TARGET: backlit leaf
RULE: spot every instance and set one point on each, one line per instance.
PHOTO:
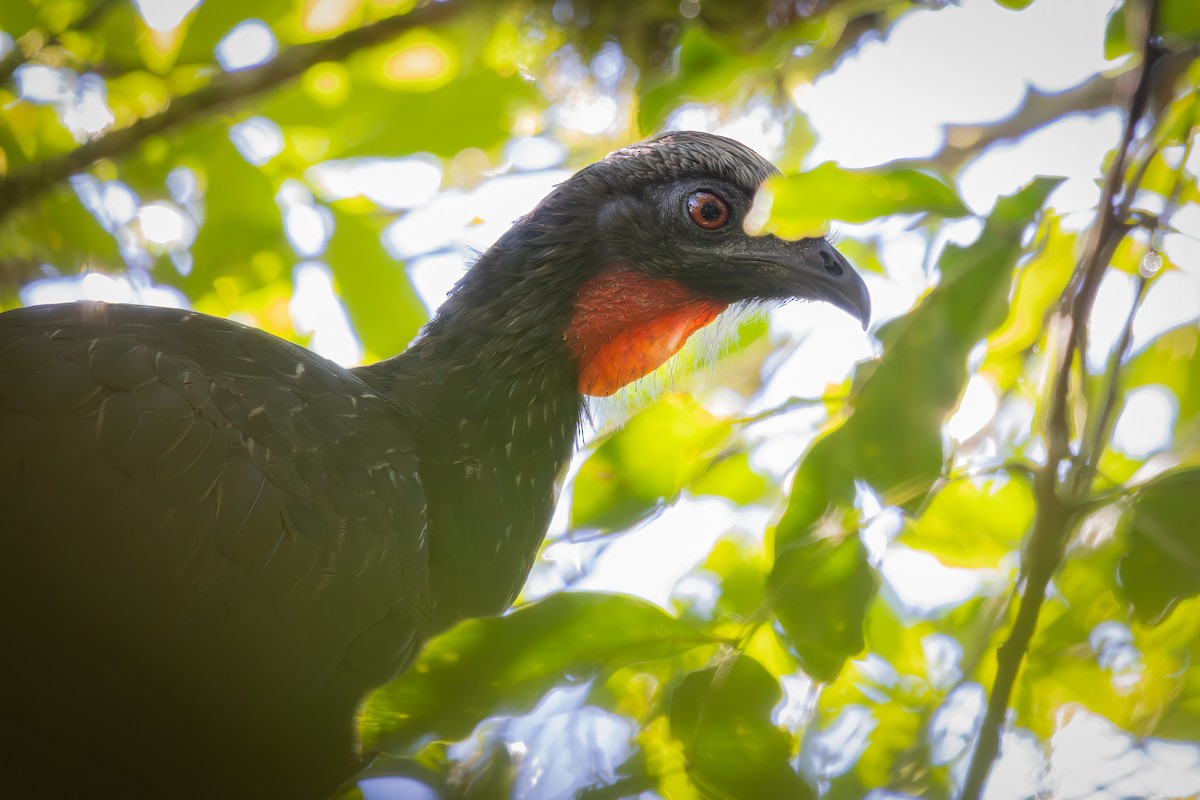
(502, 665)
(722, 716)
(803, 204)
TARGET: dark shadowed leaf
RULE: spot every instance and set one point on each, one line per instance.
(722, 716)
(503, 665)
(803, 204)
(1162, 566)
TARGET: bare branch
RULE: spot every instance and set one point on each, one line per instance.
(25, 184)
(963, 142)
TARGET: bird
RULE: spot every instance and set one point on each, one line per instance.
(216, 542)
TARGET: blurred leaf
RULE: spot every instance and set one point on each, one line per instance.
(384, 309)
(1179, 18)
(1039, 285)
(722, 715)
(59, 231)
(863, 255)
(1016, 5)
(212, 21)
(732, 477)
(241, 219)
(1162, 566)
(738, 568)
(20, 16)
(893, 440)
(503, 665)
(803, 204)
(1172, 361)
(1116, 37)
(821, 589)
(707, 70)
(974, 523)
(646, 463)
(360, 115)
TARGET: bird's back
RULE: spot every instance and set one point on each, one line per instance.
(214, 544)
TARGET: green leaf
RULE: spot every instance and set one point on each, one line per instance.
(893, 440)
(972, 523)
(384, 309)
(20, 16)
(361, 116)
(502, 665)
(646, 464)
(56, 229)
(1178, 18)
(1170, 362)
(1116, 37)
(722, 715)
(734, 478)
(803, 204)
(706, 70)
(1162, 566)
(241, 219)
(212, 22)
(822, 589)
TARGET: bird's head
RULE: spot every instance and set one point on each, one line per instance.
(649, 245)
(669, 229)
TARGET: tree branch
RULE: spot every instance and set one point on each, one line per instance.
(27, 183)
(1059, 497)
(963, 142)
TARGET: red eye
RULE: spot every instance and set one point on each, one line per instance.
(707, 210)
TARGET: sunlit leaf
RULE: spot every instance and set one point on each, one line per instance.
(646, 464)
(974, 523)
(503, 665)
(732, 477)
(803, 204)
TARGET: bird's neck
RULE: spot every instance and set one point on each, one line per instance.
(492, 387)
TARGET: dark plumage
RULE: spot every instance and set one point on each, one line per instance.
(217, 542)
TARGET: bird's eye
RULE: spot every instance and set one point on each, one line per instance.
(707, 210)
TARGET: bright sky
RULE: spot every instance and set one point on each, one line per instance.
(889, 100)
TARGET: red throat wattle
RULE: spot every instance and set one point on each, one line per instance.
(626, 324)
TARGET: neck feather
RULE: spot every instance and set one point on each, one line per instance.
(492, 389)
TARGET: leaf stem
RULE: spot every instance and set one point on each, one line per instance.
(27, 183)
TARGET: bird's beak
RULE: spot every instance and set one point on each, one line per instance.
(771, 268)
(823, 273)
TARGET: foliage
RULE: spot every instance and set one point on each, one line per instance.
(791, 665)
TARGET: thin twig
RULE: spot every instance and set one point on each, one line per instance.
(25, 184)
(1058, 509)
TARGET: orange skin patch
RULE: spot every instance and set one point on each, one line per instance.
(627, 324)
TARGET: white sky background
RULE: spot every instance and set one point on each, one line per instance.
(888, 100)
